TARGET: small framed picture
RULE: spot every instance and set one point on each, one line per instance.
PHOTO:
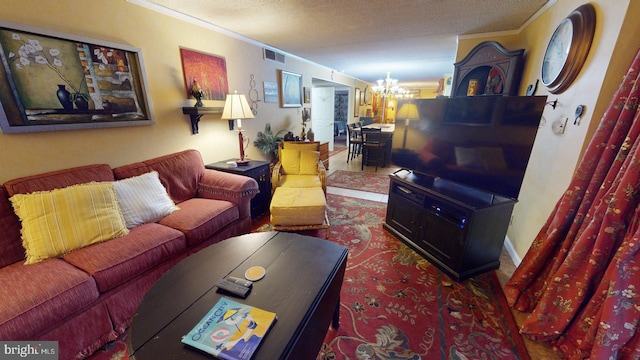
(307, 95)
(356, 107)
(270, 92)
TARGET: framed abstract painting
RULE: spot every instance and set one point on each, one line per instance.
(290, 89)
(56, 81)
(210, 71)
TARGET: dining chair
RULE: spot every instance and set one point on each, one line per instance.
(373, 147)
(354, 145)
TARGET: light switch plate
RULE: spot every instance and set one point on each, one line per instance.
(558, 127)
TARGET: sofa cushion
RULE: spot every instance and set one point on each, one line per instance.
(59, 221)
(179, 173)
(40, 295)
(11, 249)
(143, 199)
(200, 218)
(114, 262)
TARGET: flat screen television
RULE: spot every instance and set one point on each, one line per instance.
(482, 141)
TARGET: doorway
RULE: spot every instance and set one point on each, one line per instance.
(329, 104)
(322, 114)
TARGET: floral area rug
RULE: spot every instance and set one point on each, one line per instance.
(396, 305)
(362, 181)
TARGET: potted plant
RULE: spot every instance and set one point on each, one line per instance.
(267, 142)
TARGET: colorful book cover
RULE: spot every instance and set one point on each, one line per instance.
(231, 330)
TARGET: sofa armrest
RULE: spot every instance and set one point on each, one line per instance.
(238, 189)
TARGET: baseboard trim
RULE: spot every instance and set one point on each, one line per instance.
(512, 251)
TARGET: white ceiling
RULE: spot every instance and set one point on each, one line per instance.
(415, 40)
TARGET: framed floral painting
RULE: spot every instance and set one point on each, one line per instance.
(56, 81)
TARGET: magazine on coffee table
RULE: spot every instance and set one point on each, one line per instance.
(231, 330)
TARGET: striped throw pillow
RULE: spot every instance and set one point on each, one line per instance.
(59, 221)
(143, 199)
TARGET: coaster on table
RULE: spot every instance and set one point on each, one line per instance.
(255, 273)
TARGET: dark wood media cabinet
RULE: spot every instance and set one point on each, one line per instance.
(459, 229)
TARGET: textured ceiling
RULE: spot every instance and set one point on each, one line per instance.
(413, 39)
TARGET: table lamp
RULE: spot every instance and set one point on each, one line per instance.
(408, 112)
(237, 108)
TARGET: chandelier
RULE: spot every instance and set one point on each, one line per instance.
(387, 87)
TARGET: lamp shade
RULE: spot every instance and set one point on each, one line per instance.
(408, 111)
(236, 107)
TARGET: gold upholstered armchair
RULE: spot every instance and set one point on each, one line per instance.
(299, 166)
(299, 188)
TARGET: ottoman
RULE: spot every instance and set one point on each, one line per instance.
(299, 209)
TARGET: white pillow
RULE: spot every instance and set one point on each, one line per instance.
(467, 157)
(143, 199)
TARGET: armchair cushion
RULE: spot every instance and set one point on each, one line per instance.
(300, 162)
(309, 162)
(298, 206)
(290, 161)
(300, 181)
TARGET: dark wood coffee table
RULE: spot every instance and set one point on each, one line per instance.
(302, 286)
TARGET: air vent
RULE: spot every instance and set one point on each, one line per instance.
(274, 56)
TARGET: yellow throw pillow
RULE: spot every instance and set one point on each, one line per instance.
(62, 220)
(290, 161)
(309, 162)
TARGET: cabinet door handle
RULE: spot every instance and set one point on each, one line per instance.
(405, 190)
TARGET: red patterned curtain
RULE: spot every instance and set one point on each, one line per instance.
(580, 280)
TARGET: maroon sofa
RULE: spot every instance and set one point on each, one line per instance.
(87, 297)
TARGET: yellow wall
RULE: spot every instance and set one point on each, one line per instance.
(428, 93)
(160, 37)
(554, 157)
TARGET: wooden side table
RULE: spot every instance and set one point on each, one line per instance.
(258, 170)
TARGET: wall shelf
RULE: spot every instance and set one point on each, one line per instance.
(195, 113)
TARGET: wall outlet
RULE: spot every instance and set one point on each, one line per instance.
(559, 126)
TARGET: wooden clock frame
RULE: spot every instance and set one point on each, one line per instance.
(583, 25)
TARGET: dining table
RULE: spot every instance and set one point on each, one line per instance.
(387, 131)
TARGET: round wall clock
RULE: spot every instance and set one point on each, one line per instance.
(568, 49)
